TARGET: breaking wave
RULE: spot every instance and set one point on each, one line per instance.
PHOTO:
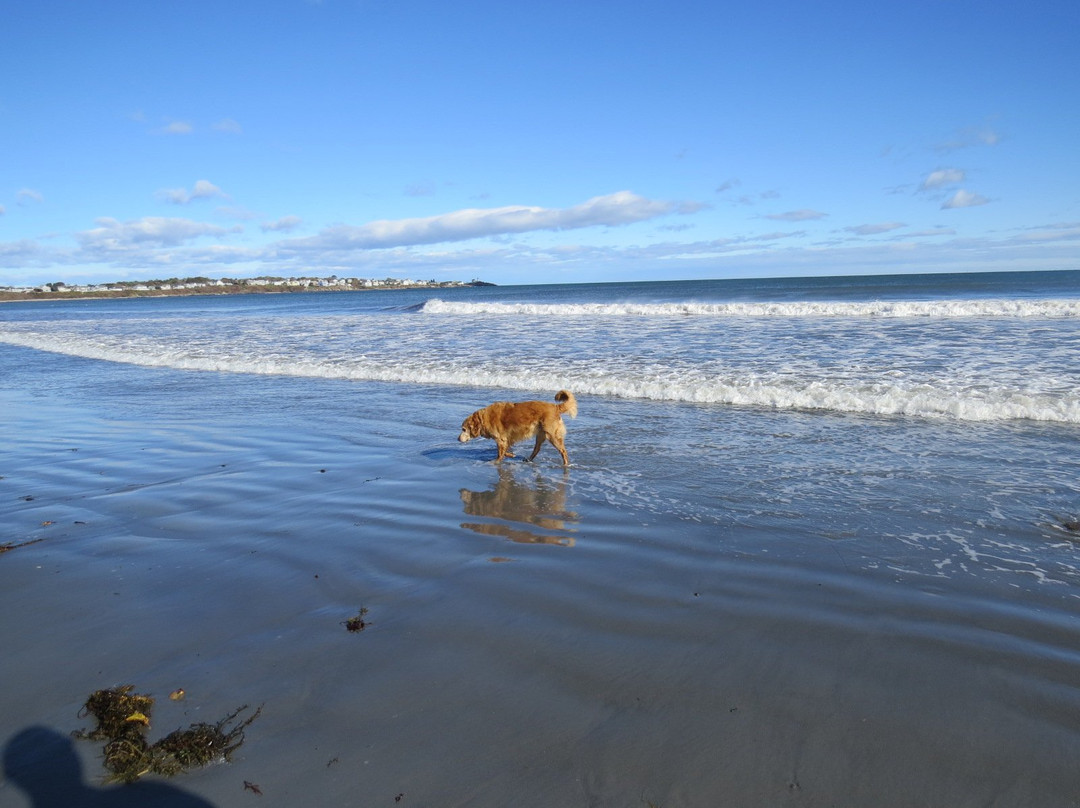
(814, 390)
(1055, 308)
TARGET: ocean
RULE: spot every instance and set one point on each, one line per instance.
(970, 347)
(818, 542)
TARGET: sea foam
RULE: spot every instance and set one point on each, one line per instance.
(967, 399)
(1055, 308)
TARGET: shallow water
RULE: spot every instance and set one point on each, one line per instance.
(759, 608)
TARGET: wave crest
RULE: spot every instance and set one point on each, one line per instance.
(966, 401)
(1055, 308)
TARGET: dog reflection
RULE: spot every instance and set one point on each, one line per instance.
(539, 504)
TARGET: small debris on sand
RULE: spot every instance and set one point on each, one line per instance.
(12, 546)
(123, 718)
(357, 623)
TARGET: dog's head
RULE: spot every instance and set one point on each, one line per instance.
(471, 428)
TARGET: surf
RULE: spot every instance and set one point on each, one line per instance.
(995, 308)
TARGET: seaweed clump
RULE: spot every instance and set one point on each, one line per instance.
(123, 718)
(357, 622)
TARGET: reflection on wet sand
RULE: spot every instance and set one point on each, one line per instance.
(532, 501)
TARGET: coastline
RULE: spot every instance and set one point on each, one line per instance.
(208, 291)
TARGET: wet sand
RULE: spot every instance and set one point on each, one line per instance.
(528, 642)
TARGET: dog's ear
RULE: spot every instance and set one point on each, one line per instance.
(473, 425)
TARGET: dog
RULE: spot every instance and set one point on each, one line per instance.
(507, 422)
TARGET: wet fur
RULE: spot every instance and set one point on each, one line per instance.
(506, 423)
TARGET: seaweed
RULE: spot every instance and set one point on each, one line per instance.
(358, 623)
(123, 719)
(5, 547)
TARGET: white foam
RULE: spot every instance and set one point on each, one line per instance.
(1053, 308)
(970, 400)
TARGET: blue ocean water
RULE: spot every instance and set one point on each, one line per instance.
(935, 416)
(837, 515)
(985, 347)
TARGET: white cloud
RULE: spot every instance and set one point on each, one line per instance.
(22, 253)
(874, 229)
(616, 209)
(3, 210)
(147, 247)
(176, 128)
(727, 185)
(27, 195)
(229, 126)
(803, 215)
(963, 199)
(941, 177)
(282, 225)
(112, 235)
(203, 189)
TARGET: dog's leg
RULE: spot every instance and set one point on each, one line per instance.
(504, 449)
(557, 442)
(540, 435)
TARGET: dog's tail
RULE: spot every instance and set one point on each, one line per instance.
(567, 403)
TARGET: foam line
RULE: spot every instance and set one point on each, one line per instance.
(1055, 308)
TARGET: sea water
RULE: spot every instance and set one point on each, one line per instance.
(967, 347)
(857, 495)
(936, 418)
(978, 371)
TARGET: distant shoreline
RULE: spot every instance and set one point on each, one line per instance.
(234, 289)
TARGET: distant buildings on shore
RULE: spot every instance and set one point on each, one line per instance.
(226, 285)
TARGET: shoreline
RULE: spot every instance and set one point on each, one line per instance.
(238, 289)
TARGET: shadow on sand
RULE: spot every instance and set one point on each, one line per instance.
(43, 763)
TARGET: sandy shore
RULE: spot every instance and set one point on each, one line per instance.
(528, 643)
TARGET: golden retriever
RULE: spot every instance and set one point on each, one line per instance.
(507, 422)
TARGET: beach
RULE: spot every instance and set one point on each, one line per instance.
(713, 605)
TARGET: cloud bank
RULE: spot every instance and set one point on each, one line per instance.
(613, 210)
(112, 235)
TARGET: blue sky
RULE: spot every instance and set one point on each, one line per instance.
(536, 143)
